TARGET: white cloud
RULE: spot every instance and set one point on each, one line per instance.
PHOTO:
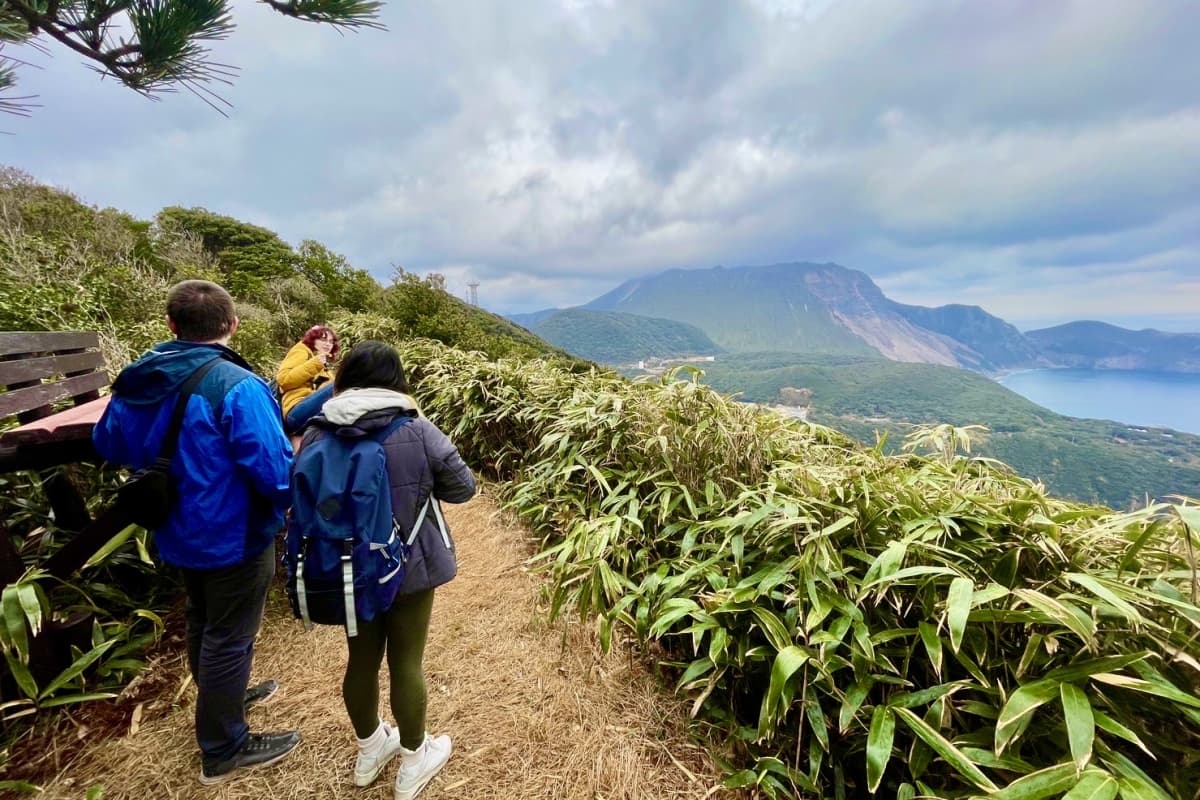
(998, 153)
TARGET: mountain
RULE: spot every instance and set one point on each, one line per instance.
(613, 337)
(1098, 345)
(998, 342)
(819, 308)
(530, 320)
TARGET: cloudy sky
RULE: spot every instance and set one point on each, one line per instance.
(1040, 158)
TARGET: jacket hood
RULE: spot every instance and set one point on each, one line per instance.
(160, 372)
(348, 407)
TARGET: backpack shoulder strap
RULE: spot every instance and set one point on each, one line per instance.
(398, 422)
(171, 438)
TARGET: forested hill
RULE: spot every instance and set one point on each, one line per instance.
(68, 265)
(611, 337)
(1084, 459)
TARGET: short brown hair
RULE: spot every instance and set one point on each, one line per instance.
(201, 310)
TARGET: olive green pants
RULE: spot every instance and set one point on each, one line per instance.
(400, 634)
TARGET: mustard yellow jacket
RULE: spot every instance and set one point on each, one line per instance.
(299, 375)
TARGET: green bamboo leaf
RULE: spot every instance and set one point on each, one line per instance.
(1037, 785)
(112, 545)
(1017, 712)
(700, 666)
(1033, 648)
(816, 718)
(1106, 594)
(787, 661)
(989, 594)
(14, 623)
(1085, 669)
(30, 603)
(673, 610)
(829, 530)
(1081, 725)
(885, 564)
(1094, 785)
(933, 645)
(1110, 725)
(942, 746)
(1138, 685)
(958, 609)
(21, 675)
(854, 700)
(1061, 611)
(909, 572)
(862, 637)
(20, 786)
(71, 699)
(986, 758)
(1135, 784)
(76, 669)
(925, 696)
(772, 627)
(879, 745)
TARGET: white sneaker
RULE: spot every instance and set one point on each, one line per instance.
(372, 760)
(417, 767)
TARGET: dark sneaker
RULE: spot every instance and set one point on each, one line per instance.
(260, 750)
(261, 694)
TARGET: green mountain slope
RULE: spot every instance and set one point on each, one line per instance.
(531, 319)
(1098, 345)
(1089, 460)
(612, 337)
(999, 343)
(741, 309)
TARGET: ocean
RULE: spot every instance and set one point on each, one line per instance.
(1151, 399)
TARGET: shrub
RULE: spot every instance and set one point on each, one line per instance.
(855, 623)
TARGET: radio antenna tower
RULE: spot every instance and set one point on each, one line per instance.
(474, 295)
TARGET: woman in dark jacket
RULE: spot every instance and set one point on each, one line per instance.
(369, 392)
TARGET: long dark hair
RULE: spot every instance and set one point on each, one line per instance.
(371, 365)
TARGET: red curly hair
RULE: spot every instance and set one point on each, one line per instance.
(318, 332)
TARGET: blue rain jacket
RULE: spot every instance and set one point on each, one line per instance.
(233, 462)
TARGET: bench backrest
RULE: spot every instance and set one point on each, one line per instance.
(40, 368)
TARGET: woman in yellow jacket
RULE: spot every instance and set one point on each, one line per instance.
(304, 377)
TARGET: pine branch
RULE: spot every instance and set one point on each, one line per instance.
(162, 46)
(339, 13)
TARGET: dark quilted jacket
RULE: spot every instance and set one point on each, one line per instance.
(421, 460)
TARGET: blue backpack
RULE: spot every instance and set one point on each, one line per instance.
(345, 550)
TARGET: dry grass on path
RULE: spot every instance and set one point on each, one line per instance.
(534, 709)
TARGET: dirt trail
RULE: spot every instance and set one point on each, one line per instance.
(534, 709)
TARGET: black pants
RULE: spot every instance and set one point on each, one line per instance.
(224, 612)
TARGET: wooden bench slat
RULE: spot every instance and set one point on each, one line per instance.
(32, 369)
(21, 342)
(73, 423)
(19, 400)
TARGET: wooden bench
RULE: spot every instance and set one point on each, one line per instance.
(38, 371)
(51, 383)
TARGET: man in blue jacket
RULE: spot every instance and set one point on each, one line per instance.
(231, 470)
